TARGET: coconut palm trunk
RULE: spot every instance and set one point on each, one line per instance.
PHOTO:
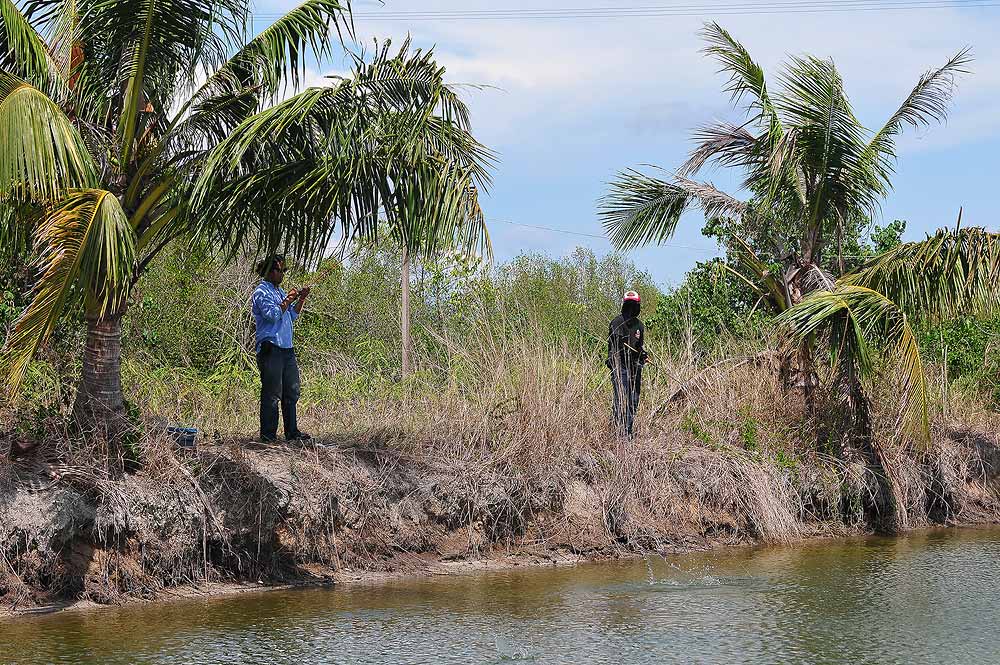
(884, 511)
(100, 398)
(407, 365)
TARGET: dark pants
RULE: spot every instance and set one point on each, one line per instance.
(279, 381)
(627, 383)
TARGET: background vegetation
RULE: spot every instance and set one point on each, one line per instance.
(188, 339)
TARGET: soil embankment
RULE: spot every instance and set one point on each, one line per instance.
(229, 514)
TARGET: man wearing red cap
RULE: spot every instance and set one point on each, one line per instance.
(626, 357)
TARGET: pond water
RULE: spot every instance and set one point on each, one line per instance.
(929, 597)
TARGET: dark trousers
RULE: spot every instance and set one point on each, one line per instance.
(279, 382)
(626, 381)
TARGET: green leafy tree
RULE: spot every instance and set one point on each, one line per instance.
(710, 306)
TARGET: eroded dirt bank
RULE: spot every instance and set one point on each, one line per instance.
(228, 514)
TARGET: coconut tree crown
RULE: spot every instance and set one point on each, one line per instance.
(812, 169)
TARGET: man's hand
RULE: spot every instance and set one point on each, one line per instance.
(291, 297)
(300, 299)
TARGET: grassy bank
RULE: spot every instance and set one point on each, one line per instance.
(499, 443)
(522, 464)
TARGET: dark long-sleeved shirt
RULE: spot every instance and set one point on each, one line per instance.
(625, 340)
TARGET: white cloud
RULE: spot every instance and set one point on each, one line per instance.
(554, 71)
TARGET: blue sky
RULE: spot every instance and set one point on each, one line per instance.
(573, 101)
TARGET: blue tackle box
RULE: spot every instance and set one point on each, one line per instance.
(184, 436)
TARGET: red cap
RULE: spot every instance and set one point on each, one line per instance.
(632, 295)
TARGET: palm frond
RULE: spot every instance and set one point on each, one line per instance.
(407, 81)
(339, 155)
(473, 234)
(42, 152)
(746, 77)
(927, 102)
(713, 201)
(726, 144)
(85, 247)
(23, 52)
(16, 222)
(816, 278)
(151, 49)
(641, 209)
(287, 127)
(454, 143)
(274, 58)
(287, 176)
(954, 272)
(270, 63)
(434, 206)
(830, 144)
(63, 35)
(865, 324)
(761, 278)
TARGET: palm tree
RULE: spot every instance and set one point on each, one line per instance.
(129, 124)
(813, 172)
(863, 320)
(866, 314)
(415, 226)
(431, 202)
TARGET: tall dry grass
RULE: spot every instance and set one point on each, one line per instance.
(500, 440)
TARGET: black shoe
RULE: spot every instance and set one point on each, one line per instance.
(266, 439)
(298, 436)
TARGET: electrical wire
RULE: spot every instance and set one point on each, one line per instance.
(704, 250)
(752, 7)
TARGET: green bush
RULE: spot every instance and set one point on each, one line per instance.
(969, 350)
(710, 306)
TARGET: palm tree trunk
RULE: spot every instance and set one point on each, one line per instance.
(405, 315)
(99, 401)
(888, 512)
(797, 366)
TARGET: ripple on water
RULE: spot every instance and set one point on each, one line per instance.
(508, 652)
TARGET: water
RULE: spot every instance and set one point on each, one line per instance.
(929, 597)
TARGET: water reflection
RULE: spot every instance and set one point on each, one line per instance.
(925, 598)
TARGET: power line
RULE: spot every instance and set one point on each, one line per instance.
(753, 7)
(592, 235)
(584, 12)
(546, 228)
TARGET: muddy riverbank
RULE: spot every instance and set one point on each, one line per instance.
(227, 514)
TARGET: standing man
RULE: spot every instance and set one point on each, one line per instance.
(626, 335)
(274, 311)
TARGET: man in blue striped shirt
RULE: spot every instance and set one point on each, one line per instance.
(274, 312)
